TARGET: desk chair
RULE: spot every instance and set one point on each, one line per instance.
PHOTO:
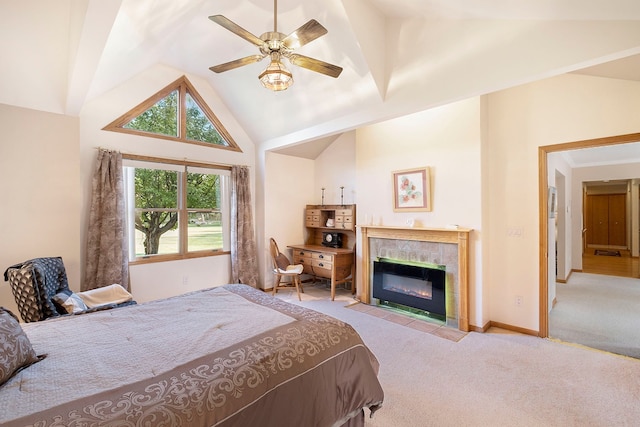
(282, 268)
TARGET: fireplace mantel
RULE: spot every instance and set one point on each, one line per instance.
(458, 236)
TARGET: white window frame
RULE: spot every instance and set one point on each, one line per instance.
(130, 163)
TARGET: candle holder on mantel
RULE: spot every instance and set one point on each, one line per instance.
(322, 196)
(342, 196)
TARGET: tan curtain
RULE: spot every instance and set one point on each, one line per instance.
(244, 255)
(107, 259)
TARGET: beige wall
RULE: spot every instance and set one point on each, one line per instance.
(446, 139)
(160, 279)
(519, 120)
(46, 166)
(335, 167)
(288, 187)
(40, 191)
(291, 183)
(484, 158)
(482, 151)
(559, 174)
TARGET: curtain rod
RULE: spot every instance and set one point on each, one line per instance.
(183, 161)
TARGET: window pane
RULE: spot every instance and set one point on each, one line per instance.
(156, 233)
(203, 191)
(155, 209)
(204, 231)
(156, 217)
(199, 127)
(205, 220)
(156, 188)
(162, 118)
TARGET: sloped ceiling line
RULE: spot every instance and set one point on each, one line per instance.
(370, 29)
(93, 27)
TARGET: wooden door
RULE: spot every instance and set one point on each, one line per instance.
(617, 220)
(598, 231)
(606, 219)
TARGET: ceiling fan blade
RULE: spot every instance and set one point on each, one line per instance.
(315, 65)
(305, 34)
(237, 63)
(237, 29)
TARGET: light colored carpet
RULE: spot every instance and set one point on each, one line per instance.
(598, 311)
(491, 379)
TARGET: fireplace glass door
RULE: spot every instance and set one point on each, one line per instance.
(417, 286)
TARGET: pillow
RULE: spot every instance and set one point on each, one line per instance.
(16, 352)
(69, 302)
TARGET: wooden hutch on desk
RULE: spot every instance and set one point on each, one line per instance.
(329, 249)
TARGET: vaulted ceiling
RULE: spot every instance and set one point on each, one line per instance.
(398, 56)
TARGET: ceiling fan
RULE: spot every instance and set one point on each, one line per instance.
(276, 45)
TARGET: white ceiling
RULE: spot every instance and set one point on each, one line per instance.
(598, 156)
(399, 56)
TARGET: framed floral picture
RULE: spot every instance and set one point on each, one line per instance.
(411, 190)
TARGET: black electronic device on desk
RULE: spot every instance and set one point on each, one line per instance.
(331, 239)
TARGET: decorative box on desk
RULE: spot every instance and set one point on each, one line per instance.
(330, 263)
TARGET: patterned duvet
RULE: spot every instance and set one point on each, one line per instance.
(227, 356)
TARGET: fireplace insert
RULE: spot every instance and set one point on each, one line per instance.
(416, 285)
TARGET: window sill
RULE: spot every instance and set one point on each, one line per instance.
(177, 257)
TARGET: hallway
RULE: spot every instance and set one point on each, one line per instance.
(624, 265)
(596, 307)
(599, 312)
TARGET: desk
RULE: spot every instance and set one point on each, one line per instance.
(331, 263)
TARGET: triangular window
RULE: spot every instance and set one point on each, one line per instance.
(178, 113)
(161, 118)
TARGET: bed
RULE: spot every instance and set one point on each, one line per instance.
(225, 356)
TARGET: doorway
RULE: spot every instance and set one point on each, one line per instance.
(547, 250)
(605, 215)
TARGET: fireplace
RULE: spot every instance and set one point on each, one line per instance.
(441, 246)
(419, 286)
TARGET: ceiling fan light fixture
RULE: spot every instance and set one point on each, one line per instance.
(276, 77)
(274, 44)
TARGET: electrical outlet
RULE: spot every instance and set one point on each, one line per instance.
(185, 280)
(518, 301)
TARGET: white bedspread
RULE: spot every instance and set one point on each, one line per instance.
(233, 320)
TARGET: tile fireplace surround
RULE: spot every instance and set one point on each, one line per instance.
(449, 247)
